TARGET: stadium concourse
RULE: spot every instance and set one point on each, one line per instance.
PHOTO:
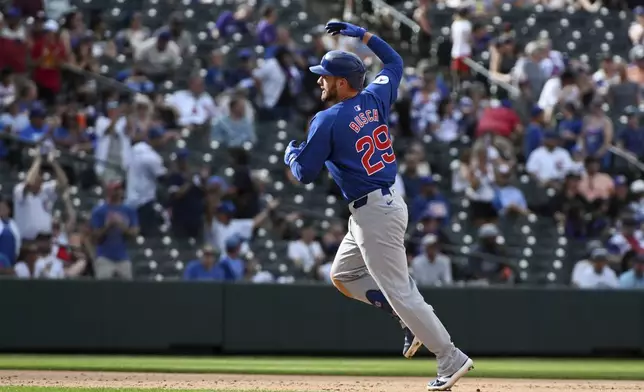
(219, 88)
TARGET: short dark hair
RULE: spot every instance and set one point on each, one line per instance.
(267, 11)
(235, 100)
(568, 76)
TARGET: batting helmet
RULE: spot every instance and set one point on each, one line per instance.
(342, 64)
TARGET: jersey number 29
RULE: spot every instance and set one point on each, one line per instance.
(380, 140)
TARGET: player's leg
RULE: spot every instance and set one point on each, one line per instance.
(379, 233)
(351, 277)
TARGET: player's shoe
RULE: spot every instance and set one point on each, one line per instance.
(412, 343)
(446, 383)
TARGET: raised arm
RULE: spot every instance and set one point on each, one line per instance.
(388, 80)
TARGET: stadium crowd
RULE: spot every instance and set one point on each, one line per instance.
(573, 134)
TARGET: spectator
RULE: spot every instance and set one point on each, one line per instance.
(503, 123)
(133, 36)
(12, 119)
(215, 77)
(10, 240)
(266, 30)
(138, 82)
(229, 23)
(445, 125)
(503, 58)
(306, 253)
(636, 31)
(234, 129)
(428, 198)
(113, 144)
(49, 54)
(73, 30)
(549, 163)
(38, 130)
(631, 138)
(102, 44)
(607, 75)
(24, 269)
(113, 223)
(430, 223)
(627, 238)
(481, 187)
(205, 268)
(431, 268)
(34, 199)
(618, 203)
(178, 34)
(7, 88)
(424, 102)
(624, 93)
(284, 40)
(569, 128)
(84, 58)
(222, 225)
(141, 119)
(410, 175)
(158, 57)
(6, 268)
(70, 136)
(460, 172)
(569, 207)
(246, 189)
(597, 134)
(231, 263)
(599, 275)
(559, 89)
(530, 75)
(12, 28)
(277, 81)
(534, 132)
(636, 206)
(461, 31)
(194, 107)
(488, 262)
(553, 63)
(581, 265)
(186, 191)
(50, 266)
(594, 185)
(509, 200)
(634, 277)
(145, 168)
(242, 75)
(332, 238)
(635, 71)
(14, 42)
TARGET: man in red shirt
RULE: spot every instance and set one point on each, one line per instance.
(48, 53)
(503, 124)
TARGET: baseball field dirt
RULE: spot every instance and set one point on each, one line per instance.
(238, 382)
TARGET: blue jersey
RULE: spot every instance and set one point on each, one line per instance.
(352, 137)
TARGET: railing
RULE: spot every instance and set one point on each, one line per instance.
(512, 90)
(627, 157)
(399, 17)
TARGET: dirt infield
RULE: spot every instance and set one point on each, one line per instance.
(293, 383)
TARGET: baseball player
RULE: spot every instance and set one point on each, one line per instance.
(352, 139)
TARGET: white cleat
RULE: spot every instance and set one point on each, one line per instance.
(446, 383)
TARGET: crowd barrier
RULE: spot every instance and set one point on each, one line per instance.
(211, 318)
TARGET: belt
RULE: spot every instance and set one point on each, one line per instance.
(361, 202)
